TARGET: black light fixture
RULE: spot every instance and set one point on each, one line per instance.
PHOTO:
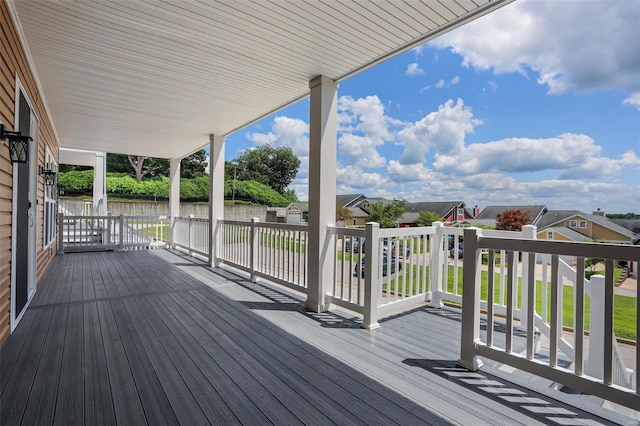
(49, 174)
(18, 145)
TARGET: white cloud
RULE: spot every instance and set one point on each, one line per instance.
(455, 80)
(443, 130)
(350, 179)
(291, 132)
(493, 85)
(439, 84)
(414, 70)
(583, 46)
(364, 127)
(408, 173)
(602, 168)
(633, 100)
(519, 155)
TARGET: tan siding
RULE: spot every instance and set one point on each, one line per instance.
(13, 61)
(606, 234)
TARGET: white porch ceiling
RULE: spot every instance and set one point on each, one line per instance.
(155, 78)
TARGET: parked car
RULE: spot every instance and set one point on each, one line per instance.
(353, 245)
(452, 252)
(360, 268)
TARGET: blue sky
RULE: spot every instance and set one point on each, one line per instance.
(537, 103)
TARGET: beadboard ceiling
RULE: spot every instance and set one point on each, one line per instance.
(155, 78)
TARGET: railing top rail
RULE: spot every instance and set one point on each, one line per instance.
(349, 232)
(565, 248)
(287, 226)
(406, 232)
(84, 217)
(145, 217)
(193, 219)
(449, 230)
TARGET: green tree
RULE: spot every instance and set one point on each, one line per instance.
(194, 165)
(386, 215)
(426, 218)
(512, 220)
(275, 167)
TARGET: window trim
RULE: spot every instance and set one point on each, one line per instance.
(549, 235)
(50, 203)
(573, 224)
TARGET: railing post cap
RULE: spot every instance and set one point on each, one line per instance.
(374, 224)
(438, 224)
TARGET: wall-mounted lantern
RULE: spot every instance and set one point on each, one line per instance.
(49, 175)
(18, 145)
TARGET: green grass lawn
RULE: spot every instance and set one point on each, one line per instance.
(162, 232)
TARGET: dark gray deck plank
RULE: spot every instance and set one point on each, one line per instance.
(40, 406)
(70, 402)
(319, 370)
(222, 368)
(99, 288)
(126, 402)
(156, 406)
(64, 291)
(110, 277)
(189, 379)
(88, 285)
(16, 392)
(286, 397)
(98, 403)
(433, 390)
(11, 351)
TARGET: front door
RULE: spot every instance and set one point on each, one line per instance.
(24, 200)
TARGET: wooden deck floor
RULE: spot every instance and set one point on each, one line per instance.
(149, 337)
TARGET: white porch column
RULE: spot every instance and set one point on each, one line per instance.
(100, 185)
(216, 193)
(322, 188)
(174, 196)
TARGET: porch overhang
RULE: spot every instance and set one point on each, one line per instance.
(156, 79)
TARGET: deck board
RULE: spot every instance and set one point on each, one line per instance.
(147, 337)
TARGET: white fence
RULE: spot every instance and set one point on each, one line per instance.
(599, 370)
(270, 250)
(87, 233)
(192, 234)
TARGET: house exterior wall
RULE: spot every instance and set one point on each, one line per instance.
(596, 231)
(13, 61)
(542, 235)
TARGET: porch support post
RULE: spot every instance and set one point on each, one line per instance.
(470, 300)
(371, 280)
(100, 185)
(322, 188)
(216, 194)
(528, 232)
(438, 261)
(174, 197)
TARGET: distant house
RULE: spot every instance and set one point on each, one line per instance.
(574, 225)
(451, 212)
(299, 212)
(489, 214)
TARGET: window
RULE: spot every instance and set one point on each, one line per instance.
(355, 221)
(573, 224)
(582, 224)
(550, 235)
(49, 203)
(460, 212)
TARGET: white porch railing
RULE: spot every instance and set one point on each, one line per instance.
(269, 250)
(595, 371)
(192, 234)
(86, 233)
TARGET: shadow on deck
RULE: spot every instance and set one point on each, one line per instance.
(147, 337)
